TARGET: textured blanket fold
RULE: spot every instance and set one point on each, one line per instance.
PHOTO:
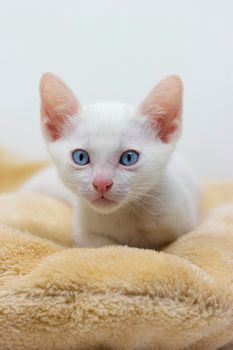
(54, 296)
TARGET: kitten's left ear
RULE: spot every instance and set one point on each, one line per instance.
(163, 107)
(58, 106)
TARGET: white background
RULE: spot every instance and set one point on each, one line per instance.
(117, 50)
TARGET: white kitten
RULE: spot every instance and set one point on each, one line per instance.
(124, 182)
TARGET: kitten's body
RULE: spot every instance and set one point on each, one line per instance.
(169, 210)
(149, 204)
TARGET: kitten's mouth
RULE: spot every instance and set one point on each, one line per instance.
(103, 201)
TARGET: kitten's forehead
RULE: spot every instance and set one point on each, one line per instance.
(107, 130)
(105, 123)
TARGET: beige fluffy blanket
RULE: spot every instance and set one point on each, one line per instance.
(53, 296)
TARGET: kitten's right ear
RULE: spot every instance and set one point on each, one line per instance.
(58, 105)
(163, 108)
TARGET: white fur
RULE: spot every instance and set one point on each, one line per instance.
(157, 199)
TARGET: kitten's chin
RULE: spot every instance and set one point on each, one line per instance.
(104, 205)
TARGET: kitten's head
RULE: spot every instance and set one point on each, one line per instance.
(108, 153)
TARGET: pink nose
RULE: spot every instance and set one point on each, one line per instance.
(101, 184)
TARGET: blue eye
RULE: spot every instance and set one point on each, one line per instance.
(80, 157)
(129, 158)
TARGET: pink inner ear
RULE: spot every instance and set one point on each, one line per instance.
(52, 126)
(163, 105)
(58, 103)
